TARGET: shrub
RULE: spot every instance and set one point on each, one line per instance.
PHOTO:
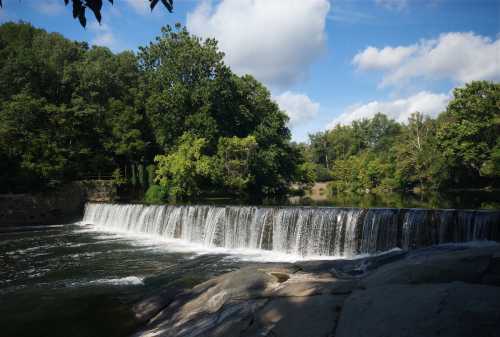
(155, 194)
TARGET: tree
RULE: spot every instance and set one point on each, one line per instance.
(234, 159)
(419, 161)
(182, 171)
(181, 74)
(376, 133)
(60, 106)
(469, 132)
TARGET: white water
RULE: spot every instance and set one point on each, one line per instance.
(296, 231)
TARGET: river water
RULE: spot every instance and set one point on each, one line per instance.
(76, 280)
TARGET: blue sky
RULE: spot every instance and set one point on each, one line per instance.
(325, 61)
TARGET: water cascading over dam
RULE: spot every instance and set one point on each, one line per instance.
(304, 231)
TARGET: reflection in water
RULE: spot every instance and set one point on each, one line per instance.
(456, 200)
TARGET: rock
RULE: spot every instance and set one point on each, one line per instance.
(301, 285)
(347, 268)
(438, 267)
(297, 317)
(492, 274)
(454, 309)
(152, 305)
(430, 292)
(255, 300)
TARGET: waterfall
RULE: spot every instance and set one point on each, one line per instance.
(304, 231)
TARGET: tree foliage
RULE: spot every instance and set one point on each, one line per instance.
(185, 169)
(68, 111)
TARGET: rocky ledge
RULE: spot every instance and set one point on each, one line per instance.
(440, 291)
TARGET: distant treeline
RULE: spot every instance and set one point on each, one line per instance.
(460, 149)
(173, 115)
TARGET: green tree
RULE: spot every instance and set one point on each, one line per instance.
(469, 131)
(28, 139)
(419, 161)
(185, 169)
(234, 159)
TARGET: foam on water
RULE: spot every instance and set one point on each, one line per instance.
(123, 281)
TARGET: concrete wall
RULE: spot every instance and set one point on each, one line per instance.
(55, 207)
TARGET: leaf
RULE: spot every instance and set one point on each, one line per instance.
(95, 6)
(153, 3)
(77, 8)
(169, 4)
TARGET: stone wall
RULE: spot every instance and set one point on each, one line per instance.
(55, 207)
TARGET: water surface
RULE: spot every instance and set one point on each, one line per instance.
(77, 281)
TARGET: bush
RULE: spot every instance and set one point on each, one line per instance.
(323, 174)
(155, 194)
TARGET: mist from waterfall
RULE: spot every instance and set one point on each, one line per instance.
(301, 231)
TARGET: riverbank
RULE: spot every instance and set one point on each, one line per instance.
(440, 291)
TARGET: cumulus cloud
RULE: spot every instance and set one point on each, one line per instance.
(103, 35)
(270, 39)
(139, 6)
(49, 7)
(388, 57)
(428, 103)
(460, 57)
(299, 107)
(392, 4)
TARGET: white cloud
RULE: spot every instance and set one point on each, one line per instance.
(103, 35)
(392, 4)
(273, 40)
(460, 57)
(298, 107)
(428, 103)
(388, 57)
(139, 6)
(49, 7)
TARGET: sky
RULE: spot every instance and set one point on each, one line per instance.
(326, 62)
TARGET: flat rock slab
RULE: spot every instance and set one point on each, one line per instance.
(297, 317)
(432, 310)
(439, 267)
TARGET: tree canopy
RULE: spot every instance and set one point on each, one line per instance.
(69, 111)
